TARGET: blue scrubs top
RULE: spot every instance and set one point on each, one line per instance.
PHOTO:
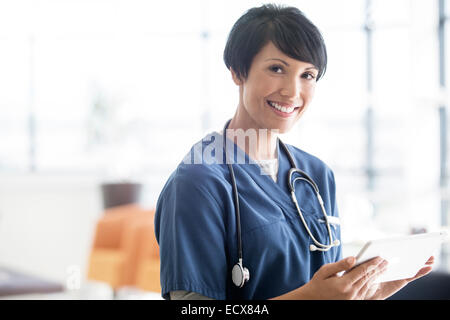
(195, 226)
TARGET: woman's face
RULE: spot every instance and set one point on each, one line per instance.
(277, 91)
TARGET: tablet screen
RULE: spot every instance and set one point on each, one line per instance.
(405, 255)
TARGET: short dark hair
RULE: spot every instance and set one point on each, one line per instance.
(288, 29)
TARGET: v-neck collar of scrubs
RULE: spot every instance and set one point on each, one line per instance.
(265, 182)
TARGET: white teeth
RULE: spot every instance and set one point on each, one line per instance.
(280, 108)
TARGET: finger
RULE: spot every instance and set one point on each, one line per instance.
(387, 289)
(422, 272)
(366, 282)
(371, 292)
(371, 275)
(367, 290)
(361, 287)
(362, 270)
(430, 260)
(331, 269)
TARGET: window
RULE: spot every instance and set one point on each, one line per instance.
(123, 89)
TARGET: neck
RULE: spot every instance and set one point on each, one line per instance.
(259, 143)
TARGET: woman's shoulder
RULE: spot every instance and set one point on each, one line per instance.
(308, 160)
(202, 163)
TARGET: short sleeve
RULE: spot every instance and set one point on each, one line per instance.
(190, 230)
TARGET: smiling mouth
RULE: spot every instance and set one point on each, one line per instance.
(286, 110)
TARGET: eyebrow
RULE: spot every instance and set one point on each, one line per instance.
(287, 64)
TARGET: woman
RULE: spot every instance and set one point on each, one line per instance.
(223, 214)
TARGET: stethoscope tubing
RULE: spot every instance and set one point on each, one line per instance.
(303, 176)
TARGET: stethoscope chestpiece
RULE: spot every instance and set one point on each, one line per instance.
(240, 274)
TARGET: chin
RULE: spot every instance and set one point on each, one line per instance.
(282, 128)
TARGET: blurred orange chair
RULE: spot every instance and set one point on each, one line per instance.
(147, 273)
(124, 235)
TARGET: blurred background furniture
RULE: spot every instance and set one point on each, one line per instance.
(119, 194)
(147, 273)
(13, 282)
(125, 251)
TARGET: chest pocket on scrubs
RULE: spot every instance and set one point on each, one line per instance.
(318, 227)
(306, 198)
(312, 212)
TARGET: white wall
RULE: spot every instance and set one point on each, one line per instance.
(47, 223)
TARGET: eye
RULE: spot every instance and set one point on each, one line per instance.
(276, 68)
(309, 76)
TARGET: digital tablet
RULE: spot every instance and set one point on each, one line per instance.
(406, 255)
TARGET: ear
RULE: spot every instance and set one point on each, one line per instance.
(236, 79)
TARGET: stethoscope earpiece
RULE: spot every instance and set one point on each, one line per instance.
(336, 243)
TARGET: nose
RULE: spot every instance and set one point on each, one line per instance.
(291, 88)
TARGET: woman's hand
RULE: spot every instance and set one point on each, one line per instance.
(387, 289)
(355, 283)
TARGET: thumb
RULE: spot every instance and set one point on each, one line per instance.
(331, 269)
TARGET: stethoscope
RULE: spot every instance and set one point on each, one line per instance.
(240, 274)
